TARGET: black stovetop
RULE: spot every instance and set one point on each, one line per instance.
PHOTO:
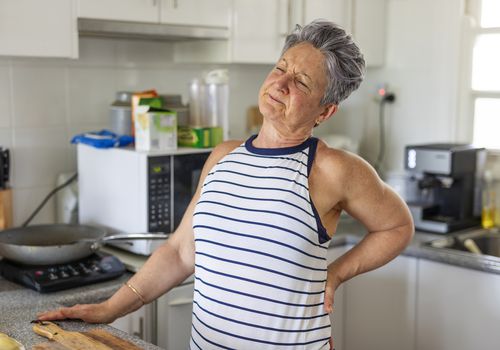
(51, 278)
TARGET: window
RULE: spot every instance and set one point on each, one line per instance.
(485, 80)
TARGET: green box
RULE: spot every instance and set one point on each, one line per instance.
(198, 137)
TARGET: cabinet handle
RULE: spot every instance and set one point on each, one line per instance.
(140, 334)
(176, 4)
(181, 302)
(155, 3)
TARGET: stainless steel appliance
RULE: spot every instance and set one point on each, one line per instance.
(447, 181)
(128, 191)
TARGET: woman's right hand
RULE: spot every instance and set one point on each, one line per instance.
(91, 313)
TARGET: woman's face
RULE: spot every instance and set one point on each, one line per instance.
(291, 93)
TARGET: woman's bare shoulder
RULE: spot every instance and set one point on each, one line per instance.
(340, 163)
(223, 149)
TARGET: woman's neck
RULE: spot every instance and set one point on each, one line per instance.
(272, 138)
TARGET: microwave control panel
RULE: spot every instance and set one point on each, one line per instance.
(159, 194)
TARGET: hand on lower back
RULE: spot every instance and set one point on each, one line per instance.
(91, 313)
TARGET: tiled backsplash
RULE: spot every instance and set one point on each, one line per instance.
(44, 102)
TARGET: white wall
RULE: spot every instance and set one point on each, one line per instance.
(44, 102)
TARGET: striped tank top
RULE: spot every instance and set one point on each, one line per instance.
(260, 263)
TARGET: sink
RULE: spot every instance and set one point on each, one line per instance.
(488, 242)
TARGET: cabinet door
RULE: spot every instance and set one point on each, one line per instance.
(138, 323)
(380, 307)
(120, 10)
(196, 12)
(458, 308)
(338, 11)
(368, 29)
(174, 318)
(257, 30)
(38, 28)
(337, 317)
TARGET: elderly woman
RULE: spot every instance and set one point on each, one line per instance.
(257, 231)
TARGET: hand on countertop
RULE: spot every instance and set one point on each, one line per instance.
(90, 313)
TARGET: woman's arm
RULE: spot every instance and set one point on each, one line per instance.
(168, 266)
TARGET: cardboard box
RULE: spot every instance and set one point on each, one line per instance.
(199, 137)
(155, 129)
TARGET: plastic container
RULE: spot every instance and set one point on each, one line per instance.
(208, 101)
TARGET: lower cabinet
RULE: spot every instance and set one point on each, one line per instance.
(139, 323)
(379, 308)
(458, 308)
(174, 318)
(338, 314)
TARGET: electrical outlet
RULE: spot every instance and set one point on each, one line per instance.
(384, 94)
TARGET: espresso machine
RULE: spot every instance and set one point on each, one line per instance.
(446, 182)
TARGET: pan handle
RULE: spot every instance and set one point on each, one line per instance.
(134, 236)
(95, 244)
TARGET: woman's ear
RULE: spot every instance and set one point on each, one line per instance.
(328, 111)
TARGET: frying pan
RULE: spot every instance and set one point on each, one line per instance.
(59, 243)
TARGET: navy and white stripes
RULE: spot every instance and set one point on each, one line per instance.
(260, 265)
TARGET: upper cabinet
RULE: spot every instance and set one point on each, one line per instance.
(338, 11)
(213, 13)
(364, 19)
(369, 28)
(38, 28)
(120, 10)
(257, 35)
(258, 30)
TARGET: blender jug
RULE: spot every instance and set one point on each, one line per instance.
(208, 101)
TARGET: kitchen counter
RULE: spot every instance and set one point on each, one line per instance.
(20, 305)
(351, 232)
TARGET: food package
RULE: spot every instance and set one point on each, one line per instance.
(155, 129)
(199, 137)
(136, 99)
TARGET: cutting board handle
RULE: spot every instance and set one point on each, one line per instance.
(46, 329)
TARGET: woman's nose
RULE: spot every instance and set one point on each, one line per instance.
(282, 83)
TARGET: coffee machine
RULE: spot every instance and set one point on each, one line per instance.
(446, 182)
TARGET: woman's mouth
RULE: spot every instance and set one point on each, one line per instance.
(274, 99)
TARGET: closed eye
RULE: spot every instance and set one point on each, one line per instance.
(302, 84)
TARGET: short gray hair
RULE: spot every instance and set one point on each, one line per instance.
(344, 61)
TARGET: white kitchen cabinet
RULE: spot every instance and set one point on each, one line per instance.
(258, 30)
(380, 308)
(174, 312)
(181, 12)
(215, 13)
(38, 28)
(120, 10)
(338, 11)
(337, 317)
(369, 29)
(139, 323)
(364, 19)
(458, 308)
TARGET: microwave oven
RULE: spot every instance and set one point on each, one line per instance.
(129, 191)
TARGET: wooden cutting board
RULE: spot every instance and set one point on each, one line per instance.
(96, 339)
